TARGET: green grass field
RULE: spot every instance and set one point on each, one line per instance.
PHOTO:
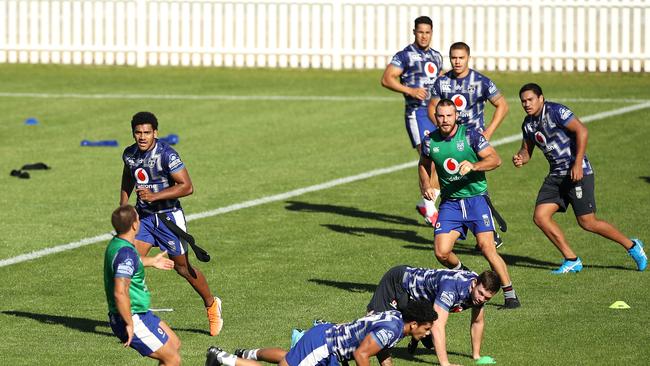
(318, 255)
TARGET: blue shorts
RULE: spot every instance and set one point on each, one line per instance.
(311, 349)
(471, 213)
(148, 336)
(418, 124)
(154, 232)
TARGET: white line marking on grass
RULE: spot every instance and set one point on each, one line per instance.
(297, 192)
(298, 98)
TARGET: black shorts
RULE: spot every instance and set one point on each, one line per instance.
(562, 191)
(390, 295)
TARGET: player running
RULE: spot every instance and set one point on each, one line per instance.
(332, 344)
(469, 90)
(461, 157)
(160, 178)
(563, 139)
(412, 72)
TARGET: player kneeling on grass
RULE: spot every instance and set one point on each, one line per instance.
(127, 294)
(330, 344)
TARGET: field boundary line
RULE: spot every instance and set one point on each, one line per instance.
(297, 192)
(283, 98)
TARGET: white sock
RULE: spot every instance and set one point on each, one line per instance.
(430, 206)
(227, 359)
(251, 354)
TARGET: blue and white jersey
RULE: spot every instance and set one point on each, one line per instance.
(153, 169)
(550, 134)
(447, 288)
(469, 94)
(420, 70)
(386, 328)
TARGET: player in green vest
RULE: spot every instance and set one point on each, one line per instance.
(461, 157)
(128, 297)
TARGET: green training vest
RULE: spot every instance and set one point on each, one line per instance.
(447, 156)
(140, 296)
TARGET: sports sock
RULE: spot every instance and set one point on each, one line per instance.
(508, 291)
(571, 259)
(430, 206)
(458, 266)
(226, 358)
(250, 354)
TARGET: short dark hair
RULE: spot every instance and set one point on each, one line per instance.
(445, 102)
(144, 118)
(490, 281)
(420, 311)
(532, 87)
(459, 46)
(122, 218)
(422, 20)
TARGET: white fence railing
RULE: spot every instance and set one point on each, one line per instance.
(542, 35)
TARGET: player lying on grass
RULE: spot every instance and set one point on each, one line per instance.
(449, 291)
(128, 297)
(330, 344)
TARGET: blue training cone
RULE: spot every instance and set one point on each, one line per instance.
(111, 143)
(31, 121)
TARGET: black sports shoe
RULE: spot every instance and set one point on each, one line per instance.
(412, 346)
(464, 268)
(427, 341)
(498, 241)
(212, 357)
(512, 303)
(239, 352)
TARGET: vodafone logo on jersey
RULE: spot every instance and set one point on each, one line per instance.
(451, 165)
(540, 138)
(459, 101)
(431, 69)
(141, 176)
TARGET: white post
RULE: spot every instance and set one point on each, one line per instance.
(591, 45)
(535, 38)
(580, 38)
(141, 24)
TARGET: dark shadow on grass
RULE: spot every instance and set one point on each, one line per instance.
(403, 235)
(403, 354)
(350, 212)
(80, 324)
(646, 179)
(84, 325)
(347, 286)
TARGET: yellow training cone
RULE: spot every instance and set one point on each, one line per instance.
(619, 305)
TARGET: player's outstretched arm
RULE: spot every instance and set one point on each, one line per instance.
(127, 186)
(476, 331)
(501, 109)
(123, 304)
(368, 348)
(440, 336)
(524, 154)
(158, 261)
